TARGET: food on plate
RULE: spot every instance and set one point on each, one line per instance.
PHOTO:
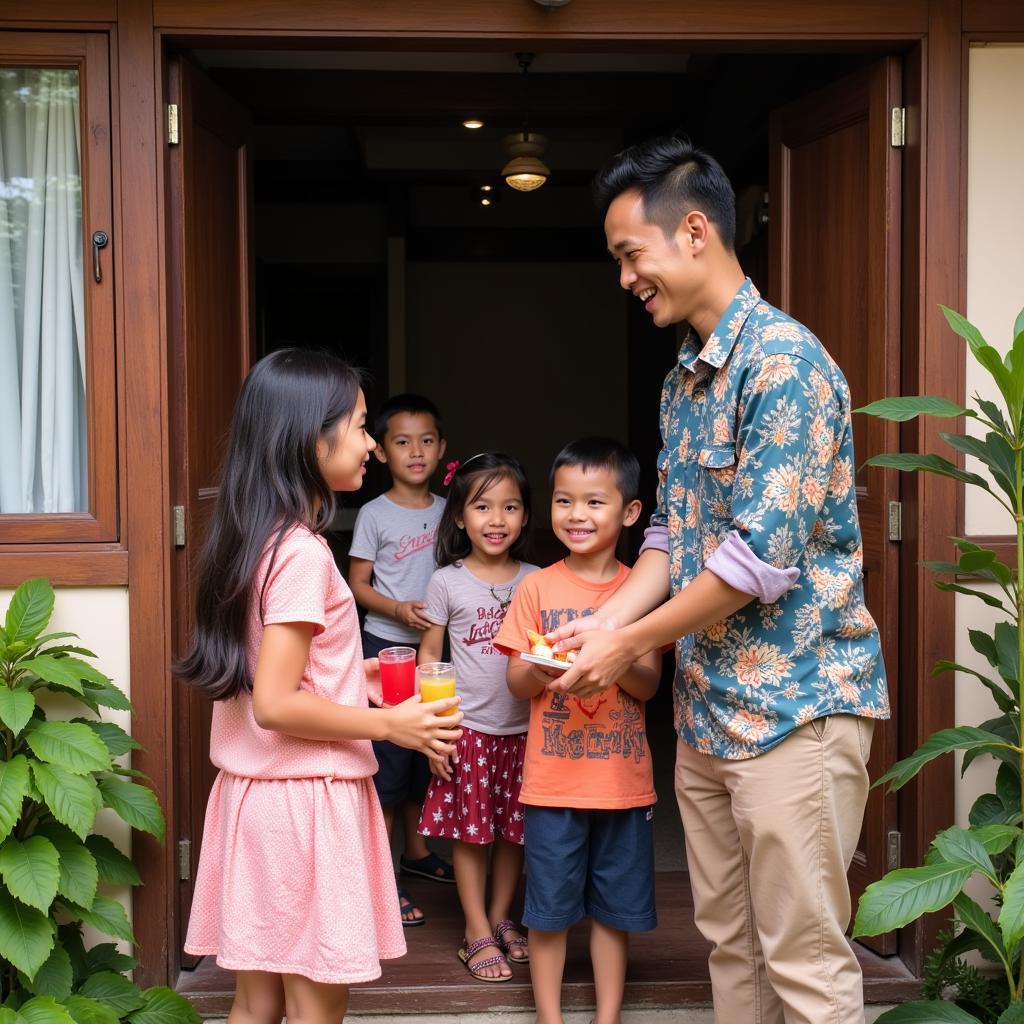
(540, 648)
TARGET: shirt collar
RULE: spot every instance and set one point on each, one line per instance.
(722, 339)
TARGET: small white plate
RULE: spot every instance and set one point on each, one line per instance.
(537, 659)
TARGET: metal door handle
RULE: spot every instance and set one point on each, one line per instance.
(99, 240)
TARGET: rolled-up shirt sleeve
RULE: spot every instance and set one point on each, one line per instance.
(791, 427)
(735, 563)
(655, 538)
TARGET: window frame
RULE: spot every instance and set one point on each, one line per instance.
(87, 53)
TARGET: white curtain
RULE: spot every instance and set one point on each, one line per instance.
(43, 457)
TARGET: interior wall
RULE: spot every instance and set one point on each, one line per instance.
(520, 357)
(995, 294)
(99, 616)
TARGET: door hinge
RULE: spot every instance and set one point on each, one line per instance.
(178, 518)
(172, 124)
(893, 850)
(895, 520)
(184, 859)
(898, 128)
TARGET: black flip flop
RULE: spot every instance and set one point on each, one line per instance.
(431, 866)
(406, 905)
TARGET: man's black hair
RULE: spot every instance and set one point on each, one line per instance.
(603, 453)
(405, 403)
(672, 177)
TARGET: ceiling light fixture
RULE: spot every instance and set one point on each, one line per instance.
(472, 123)
(553, 3)
(525, 171)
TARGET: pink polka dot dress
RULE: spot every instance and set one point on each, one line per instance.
(295, 874)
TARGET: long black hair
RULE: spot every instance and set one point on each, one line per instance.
(270, 481)
(469, 481)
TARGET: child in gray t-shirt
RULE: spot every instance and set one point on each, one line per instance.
(391, 561)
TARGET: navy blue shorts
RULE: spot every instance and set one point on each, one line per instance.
(402, 774)
(589, 863)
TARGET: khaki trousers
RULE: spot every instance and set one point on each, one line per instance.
(769, 841)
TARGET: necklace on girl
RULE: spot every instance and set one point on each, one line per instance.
(503, 602)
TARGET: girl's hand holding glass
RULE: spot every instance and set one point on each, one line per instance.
(430, 727)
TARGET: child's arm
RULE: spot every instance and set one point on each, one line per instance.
(642, 678)
(281, 705)
(360, 574)
(432, 644)
(526, 680)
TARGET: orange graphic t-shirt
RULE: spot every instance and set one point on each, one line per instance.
(583, 753)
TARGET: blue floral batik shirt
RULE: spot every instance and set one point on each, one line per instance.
(757, 439)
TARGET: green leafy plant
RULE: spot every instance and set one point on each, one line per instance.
(993, 845)
(55, 776)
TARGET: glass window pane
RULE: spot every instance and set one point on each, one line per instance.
(43, 458)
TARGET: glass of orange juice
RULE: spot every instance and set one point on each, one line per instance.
(434, 680)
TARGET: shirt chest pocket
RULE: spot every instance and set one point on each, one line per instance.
(716, 475)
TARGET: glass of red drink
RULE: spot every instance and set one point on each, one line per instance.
(397, 673)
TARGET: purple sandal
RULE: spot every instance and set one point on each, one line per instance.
(469, 950)
(507, 945)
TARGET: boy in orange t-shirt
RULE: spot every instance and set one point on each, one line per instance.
(588, 787)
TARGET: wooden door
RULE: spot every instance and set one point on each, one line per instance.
(835, 266)
(210, 302)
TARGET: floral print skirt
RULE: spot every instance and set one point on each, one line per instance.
(481, 803)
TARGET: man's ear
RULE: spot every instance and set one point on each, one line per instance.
(382, 456)
(694, 231)
(631, 513)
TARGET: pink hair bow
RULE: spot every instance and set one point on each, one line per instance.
(451, 468)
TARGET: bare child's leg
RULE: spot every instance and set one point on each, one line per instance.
(415, 845)
(506, 870)
(547, 964)
(259, 998)
(311, 1002)
(470, 860)
(609, 950)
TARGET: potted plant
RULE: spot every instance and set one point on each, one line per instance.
(55, 776)
(993, 845)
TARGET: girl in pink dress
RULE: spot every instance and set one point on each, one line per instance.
(295, 890)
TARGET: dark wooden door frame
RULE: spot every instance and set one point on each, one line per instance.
(931, 38)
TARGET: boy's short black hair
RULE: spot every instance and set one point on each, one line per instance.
(603, 453)
(672, 177)
(407, 402)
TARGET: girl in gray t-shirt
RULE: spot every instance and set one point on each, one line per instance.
(474, 797)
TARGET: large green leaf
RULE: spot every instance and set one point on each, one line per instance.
(16, 707)
(10, 1016)
(910, 462)
(29, 611)
(53, 670)
(105, 915)
(14, 784)
(106, 694)
(1005, 636)
(89, 1011)
(1013, 1014)
(26, 935)
(134, 804)
(164, 1006)
(79, 874)
(960, 846)
(74, 800)
(69, 935)
(930, 1012)
(992, 413)
(978, 920)
(983, 352)
(997, 838)
(991, 456)
(113, 865)
(955, 588)
(31, 870)
(984, 644)
(911, 406)
(44, 1010)
(1011, 914)
(904, 895)
(944, 741)
(114, 738)
(55, 977)
(1004, 700)
(115, 990)
(107, 957)
(988, 809)
(1005, 726)
(69, 744)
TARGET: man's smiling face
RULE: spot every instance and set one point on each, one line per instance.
(661, 272)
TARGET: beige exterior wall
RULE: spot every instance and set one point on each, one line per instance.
(995, 294)
(99, 615)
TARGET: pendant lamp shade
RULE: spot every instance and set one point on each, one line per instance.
(525, 171)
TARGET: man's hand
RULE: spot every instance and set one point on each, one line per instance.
(410, 613)
(604, 655)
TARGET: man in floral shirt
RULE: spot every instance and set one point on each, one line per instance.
(756, 544)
